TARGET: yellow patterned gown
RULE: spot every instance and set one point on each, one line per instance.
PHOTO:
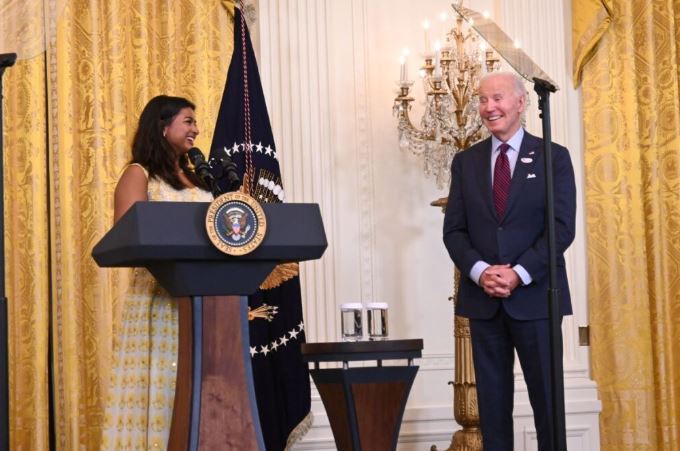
(141, 394)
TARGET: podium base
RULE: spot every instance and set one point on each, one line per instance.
(215, 406)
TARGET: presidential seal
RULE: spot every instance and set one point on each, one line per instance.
(235, 223)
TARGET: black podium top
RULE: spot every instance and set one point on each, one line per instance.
(150, 232)
(170, 239)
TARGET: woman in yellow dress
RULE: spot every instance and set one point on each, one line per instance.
(141, 393)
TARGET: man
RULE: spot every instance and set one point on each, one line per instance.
(494, 230)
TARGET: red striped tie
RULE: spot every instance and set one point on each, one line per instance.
(501, 181)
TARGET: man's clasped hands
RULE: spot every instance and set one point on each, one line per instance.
(499, 281)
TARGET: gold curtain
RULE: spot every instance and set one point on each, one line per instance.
(69, 117)
(626, 56)
(27, 251)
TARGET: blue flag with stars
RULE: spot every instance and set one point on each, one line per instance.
(244, 134)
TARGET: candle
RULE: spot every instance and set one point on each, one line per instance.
(403, 73)
(437, 55)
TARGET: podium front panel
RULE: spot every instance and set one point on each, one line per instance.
(211, 278)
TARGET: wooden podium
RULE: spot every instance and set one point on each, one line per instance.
(215, 406)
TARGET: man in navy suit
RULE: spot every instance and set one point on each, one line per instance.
(494, 230)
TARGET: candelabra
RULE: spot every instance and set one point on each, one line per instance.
(450, 122)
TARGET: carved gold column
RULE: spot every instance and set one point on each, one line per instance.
(465, 409)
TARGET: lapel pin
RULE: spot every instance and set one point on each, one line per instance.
(532, 152)
(531, 176)
(527, 160)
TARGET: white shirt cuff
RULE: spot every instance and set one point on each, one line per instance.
(523, 274)
(477, 270)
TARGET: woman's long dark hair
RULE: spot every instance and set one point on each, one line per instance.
(152, 150)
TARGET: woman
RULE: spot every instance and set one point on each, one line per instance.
(141, 394)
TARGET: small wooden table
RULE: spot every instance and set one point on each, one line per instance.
(365, 405)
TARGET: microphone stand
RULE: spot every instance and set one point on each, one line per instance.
(559, 440)
(214, 187)
(6, 60)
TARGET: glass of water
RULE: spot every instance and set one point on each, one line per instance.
(351, 321)
(377, 320)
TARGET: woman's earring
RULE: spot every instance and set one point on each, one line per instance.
(164, 132)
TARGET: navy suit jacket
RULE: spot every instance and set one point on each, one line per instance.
(472, 232)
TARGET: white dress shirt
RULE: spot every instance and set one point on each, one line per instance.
(515, 143)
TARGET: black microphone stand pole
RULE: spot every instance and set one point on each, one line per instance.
(559, 437)
(6, 60)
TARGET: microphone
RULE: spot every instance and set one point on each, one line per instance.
(202, 170)
(229, 171)
(225, 171)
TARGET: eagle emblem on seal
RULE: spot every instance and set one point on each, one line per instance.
(236, 220)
